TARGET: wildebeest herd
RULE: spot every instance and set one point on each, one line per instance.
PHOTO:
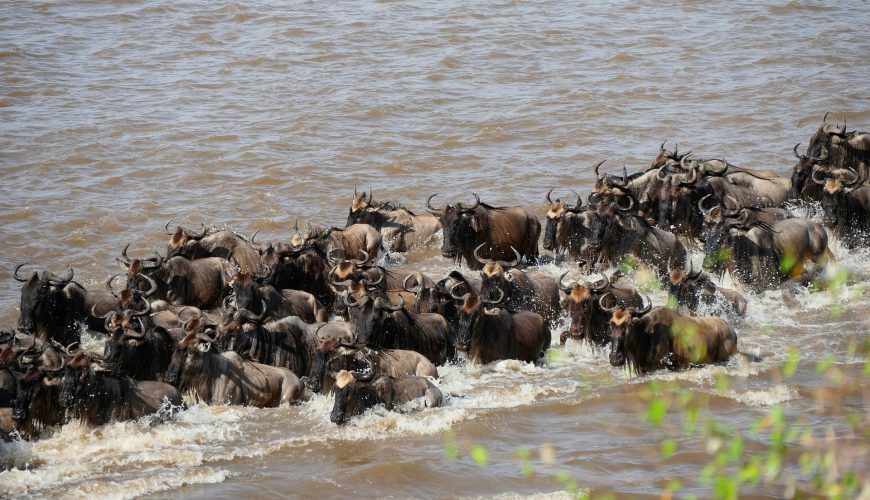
(220, 318)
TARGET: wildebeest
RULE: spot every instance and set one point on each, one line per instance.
(272, 303)
(300, 265)
(224, 244)
(690, 289)
(201, 283)
(588, 306)
(381, 325)
(647, 340)
(846, 205)
(356, 392)
(52, 306)
(37, 404)
(96, 397)
(836, 149)
(490, 333)
(396, 363)
(617, 233)
(520, 290)
(354, 240)
(400, 228)
(499, 229)
(567, 227)
(142, 354)
(202, 373)
(760, 254)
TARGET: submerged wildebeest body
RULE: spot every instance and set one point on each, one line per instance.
(490, 334)
(617, 233)
(224, 244)
(357, 392)
(590, 306)
(204, 374)
(649, 340)
(53, 307)
(94, 396)
(400, 228)
(691, 289)
(201, 283)
(395, 363)
(519, 290)
(380, 325)
(763, 255)
(268, 302)
(846, 205)
(501, 231)
(300, 265)
(353, 241)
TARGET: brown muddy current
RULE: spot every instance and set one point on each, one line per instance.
(118, 116)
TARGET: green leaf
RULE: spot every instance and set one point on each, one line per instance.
(656, 411)
(479, 455)
(825, 363)
(787, 262)
(668, 448)
(674, 485)
(451, 451)
(791, 362)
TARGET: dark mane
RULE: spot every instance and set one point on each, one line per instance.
(391, 205)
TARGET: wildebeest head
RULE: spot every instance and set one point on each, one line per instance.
(354, 393)
(822, 140)
(607, 212)
(178, 243)
(358, 208)
(75, 381)
(621, 323)
(432, 299)
(470, 312)
(43, 368)
(580, 302)
(667, 158)
(686, 286)
(556, 217)
(138, 270)
(458, 223)
(679, 194)
(835, 185)
(496, 276)
(716, 234)
(188, 359)
(375, 326)
(39, 296)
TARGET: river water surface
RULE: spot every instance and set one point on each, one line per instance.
(118, 116)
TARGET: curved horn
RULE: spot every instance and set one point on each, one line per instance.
(95, 315)
(720, 171)
(794, 150)
(496, 301)
(419, 277)
(548, 196)
(166, 229)
(596, 169)
(579, 200)
(205, 337)
(365, 259)
(476, 202)
(258, 318)
(453, 291)
(380, 280)
(386, 304)
(706, 212)
(663, 173)
(226, 303)
(477, 257)
(152, 285)
(109, 288)
(683, 161)
(143, 311)
(601, 303)
(644, 310)
(513, 263)
(629, 207)
(197, 236)
(15, 273)
(124, 258)
(350, 302)
(662, 147)
(429, 204)
(816, 179)
(825, 118)
(334, 255)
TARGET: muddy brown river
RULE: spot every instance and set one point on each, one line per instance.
(118, 116)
